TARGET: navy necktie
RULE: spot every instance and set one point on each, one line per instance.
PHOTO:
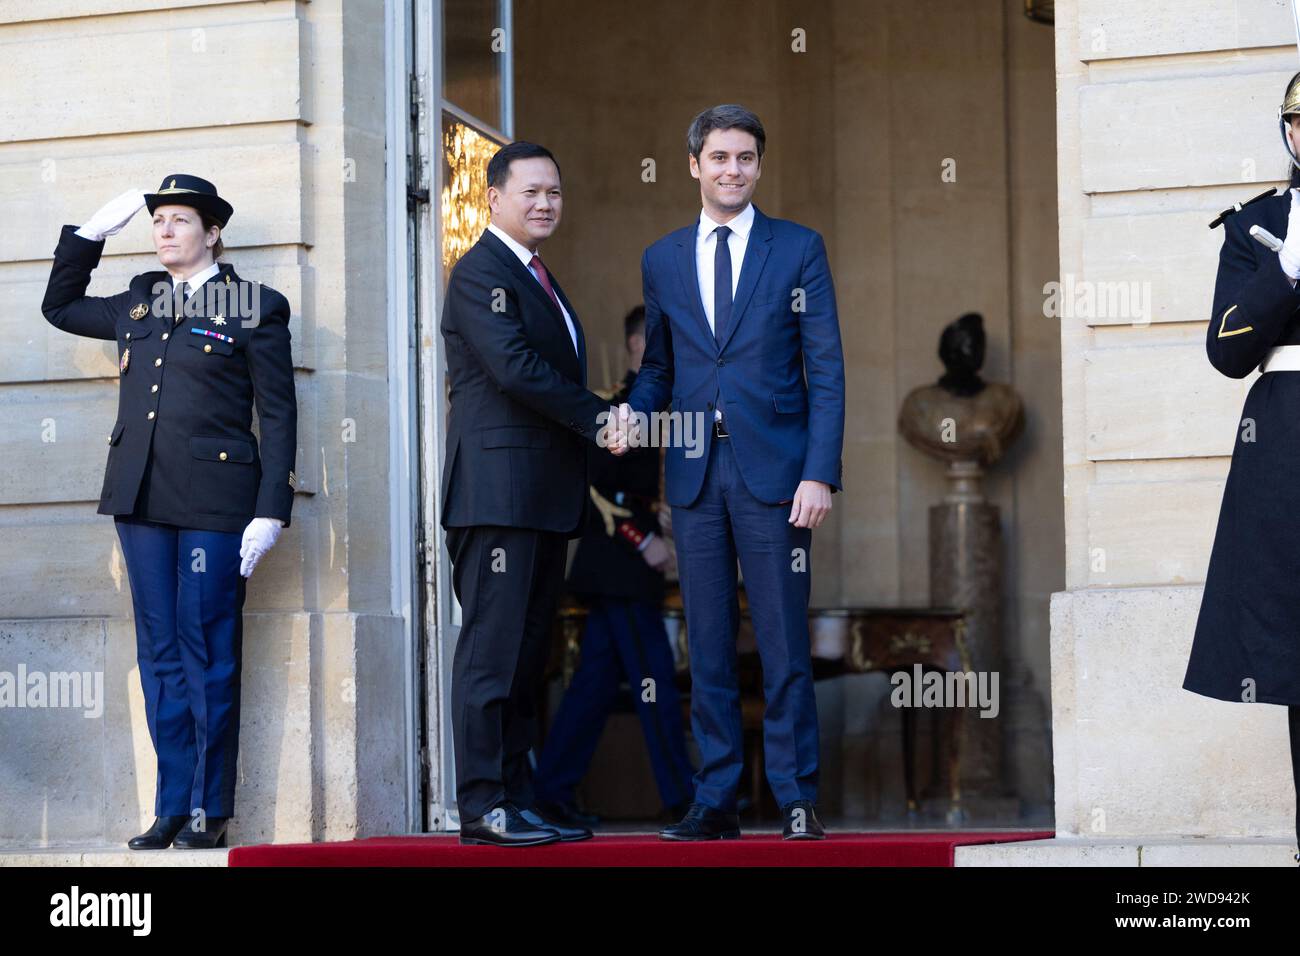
(721, 283)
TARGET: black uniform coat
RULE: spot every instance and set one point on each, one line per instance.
(609, 564)
(182, 451)
(520, 414)
(1247, 641)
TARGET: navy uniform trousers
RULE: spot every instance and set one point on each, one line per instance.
(724, 523)
(189, 599)
(623, 638)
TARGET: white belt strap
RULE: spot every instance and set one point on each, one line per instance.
(1281, 358)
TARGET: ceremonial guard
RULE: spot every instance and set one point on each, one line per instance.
(1247, 642)
(196, 498)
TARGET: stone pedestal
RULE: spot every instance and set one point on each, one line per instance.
(966, 573)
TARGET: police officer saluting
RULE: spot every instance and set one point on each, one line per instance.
(196, 499)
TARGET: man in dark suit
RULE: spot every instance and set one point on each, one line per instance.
(739, 309)
(514, 489)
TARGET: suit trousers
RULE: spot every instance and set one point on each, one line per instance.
(508, 583)
(188, 597)
(724, 523)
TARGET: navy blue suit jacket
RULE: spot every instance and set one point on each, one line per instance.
(783, 327)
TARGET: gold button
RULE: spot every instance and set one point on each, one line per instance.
(157, 362)
(151, 414)
(153, 388)
(207, 348)
(165, 334)
(222, 456)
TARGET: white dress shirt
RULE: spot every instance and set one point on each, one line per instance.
(196, 281)
(526, 258)
(706, 247)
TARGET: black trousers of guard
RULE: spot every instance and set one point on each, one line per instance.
(508, 582)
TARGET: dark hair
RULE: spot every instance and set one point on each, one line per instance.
(634, 322)
(727, 116)
(498, 170)
(219, 246)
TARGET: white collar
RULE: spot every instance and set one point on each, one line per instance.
(740, 224)
(518, 248)
(196, 281)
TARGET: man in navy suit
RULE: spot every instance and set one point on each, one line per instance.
(742, 336)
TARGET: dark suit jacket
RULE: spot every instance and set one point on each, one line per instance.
(186, 394)
(520, 411)
(783, 326)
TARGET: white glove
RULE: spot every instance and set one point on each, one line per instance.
(1289, 255)
(259, 537)
(111, 218)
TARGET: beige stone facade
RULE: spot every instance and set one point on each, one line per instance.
(1166, 114)
(281, 104)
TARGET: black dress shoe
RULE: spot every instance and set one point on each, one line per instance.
(703, 823)
(568, 833)
(560, 812)
(213, 835)
(504, 825)
(160, 835)
(677, 810)
(801, 821)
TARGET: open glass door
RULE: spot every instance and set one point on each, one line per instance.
(462, 111)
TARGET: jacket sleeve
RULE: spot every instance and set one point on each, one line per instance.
(654, 380)
(498, 341)
(823, 360)
(66, 305)
(270, 366)
(1254, 303)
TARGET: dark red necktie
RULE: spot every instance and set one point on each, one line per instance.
(539, 270)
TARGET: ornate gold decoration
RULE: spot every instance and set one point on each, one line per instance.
(465, 153)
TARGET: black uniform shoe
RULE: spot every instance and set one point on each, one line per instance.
(703, 823)
(567, 832)
(212, 836)
(801, 821)
(504, 825)
(566, 813)
(160, 835)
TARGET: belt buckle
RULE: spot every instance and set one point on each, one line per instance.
(719, 431)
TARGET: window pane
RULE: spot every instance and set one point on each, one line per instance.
(471, 70)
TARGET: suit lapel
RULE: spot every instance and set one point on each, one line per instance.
(526, 277)
(756, 250)
(503, 252)
(689, 275)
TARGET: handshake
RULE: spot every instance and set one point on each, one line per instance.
(622, 430)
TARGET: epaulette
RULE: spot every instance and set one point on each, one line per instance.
(1238, 207)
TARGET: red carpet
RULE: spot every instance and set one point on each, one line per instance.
(766, 849)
